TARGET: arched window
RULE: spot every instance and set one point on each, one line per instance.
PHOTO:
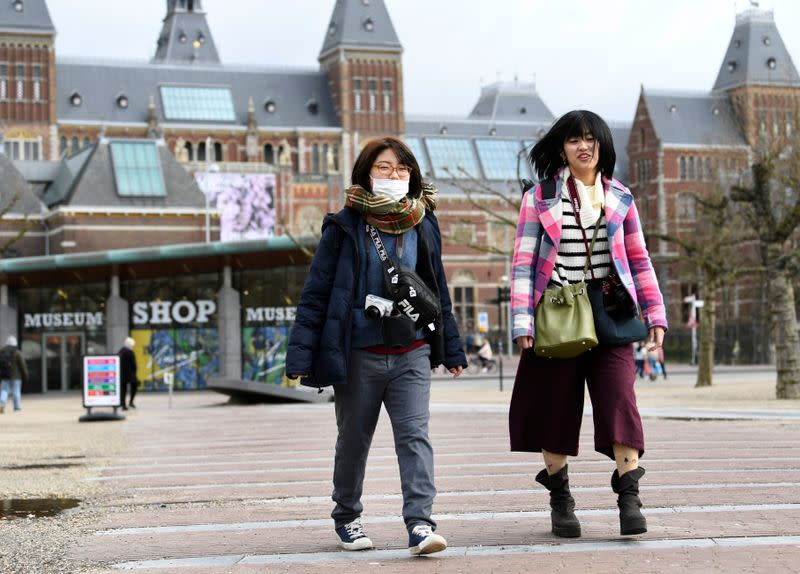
(682, 163)
(189, 151)
(75, 144)
(217, 151)
(691, 173)
(201, 151)
(62, 150)
(324, 158)
(86, 142)
(315, 159)
(269, 154)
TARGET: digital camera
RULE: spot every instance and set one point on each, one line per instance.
(377, 307)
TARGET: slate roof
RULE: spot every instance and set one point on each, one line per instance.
(101, 83)
(33, 19)
(360, 24)
(181, 29)
(87, 179)
(511, 101)
(693, 118)
(756, 54)
(12, 182)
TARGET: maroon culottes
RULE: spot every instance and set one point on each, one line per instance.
(547, 402)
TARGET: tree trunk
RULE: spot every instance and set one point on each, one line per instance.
(708, 320)
(783, 326)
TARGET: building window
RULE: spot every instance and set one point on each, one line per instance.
(708, 168)
(201, 151)
(325, 151)
(20, 81)
(137, 169)
(189, 151)
(63, 147)
(690, 168)
(789, 124)
(86, 142)
(762, 122)
(23, 149)
(315, 159)
(387, 96)
(75, 145)
(686, 207)
(357, 95)
(464, 297)
(217, 151)
(3, 82)
(336, 158)
(641, 138)
(37, 84)
(682, 164)
(372, 86)
(269, 154)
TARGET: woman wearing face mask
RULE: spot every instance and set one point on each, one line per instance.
(348, 333)
(576, 159)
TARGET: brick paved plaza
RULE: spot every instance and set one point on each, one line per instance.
(210, 487)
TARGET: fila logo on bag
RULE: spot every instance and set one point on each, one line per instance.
(408, 309)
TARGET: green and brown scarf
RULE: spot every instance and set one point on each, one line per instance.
(391, 216)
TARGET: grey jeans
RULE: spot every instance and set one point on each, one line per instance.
(402, 383)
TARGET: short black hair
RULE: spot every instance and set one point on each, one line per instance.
(545, 157)
(372, 150)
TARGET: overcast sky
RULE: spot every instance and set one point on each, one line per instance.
(582, 53)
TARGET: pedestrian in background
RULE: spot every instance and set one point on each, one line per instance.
(348, 333)
(13, 373)
(128, 372)
(547, 402)
(640, 357)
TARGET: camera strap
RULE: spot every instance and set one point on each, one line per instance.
(389, 266)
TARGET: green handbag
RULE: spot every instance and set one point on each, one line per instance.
(564, 319)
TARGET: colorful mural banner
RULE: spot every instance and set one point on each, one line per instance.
(191, 355)
(246, 202)
(264, 356)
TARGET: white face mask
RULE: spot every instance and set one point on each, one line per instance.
(395, 189)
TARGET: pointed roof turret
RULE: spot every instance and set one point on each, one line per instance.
(360, 24)
(29, 16)
(756, 54)
(185, 37)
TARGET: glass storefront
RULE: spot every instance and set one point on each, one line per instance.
(58, 325)
(269, 300)
(174, 324)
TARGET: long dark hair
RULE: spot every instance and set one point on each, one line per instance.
(372, 150)
(545, 156)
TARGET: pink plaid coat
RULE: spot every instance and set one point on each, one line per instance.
(534, 259)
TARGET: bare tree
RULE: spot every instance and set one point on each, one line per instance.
(713, 249)
(23, 229)
(772, 210)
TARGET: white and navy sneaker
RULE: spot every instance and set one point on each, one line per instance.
(422, 540)
(352, 537)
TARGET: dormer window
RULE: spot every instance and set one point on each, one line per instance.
(313, 107)
(369, 25)
(766, 40)
(270, 106)
(183, 38)
(732, 66)
(76, 99)
(771, 63)
(332, 29)
(122, 101)
(18, 6)
(201, 38)
(523, 110)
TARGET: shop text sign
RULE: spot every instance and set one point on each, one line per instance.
(269, 314)
(168, 312)
(52, 320)
(101, 381)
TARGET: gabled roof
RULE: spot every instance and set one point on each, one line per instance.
(13, 184)
(693, 118)
(511, 101)
(756, 54)
(87, 179)
(185, 36)
(100, 84)
(34, 18)
(360, 24)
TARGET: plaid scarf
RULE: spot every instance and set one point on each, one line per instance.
(387, 215)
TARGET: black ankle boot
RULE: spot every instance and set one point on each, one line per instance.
(626, 486)
(562, 505)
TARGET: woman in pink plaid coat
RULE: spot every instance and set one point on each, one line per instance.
(547, 403)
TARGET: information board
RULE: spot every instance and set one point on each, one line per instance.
(101, 381)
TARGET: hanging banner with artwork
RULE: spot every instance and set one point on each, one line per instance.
(246, 202)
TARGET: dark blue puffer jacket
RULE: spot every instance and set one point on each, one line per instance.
(319, 344)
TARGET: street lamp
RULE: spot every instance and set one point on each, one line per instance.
(503, 296)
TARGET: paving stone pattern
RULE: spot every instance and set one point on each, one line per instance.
(206, 487)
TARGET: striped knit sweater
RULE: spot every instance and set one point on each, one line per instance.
(572, 250)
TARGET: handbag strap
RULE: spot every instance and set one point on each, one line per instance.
(389, 266)
(576, 207)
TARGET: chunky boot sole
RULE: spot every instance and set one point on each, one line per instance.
(634, 526)
(567, 531)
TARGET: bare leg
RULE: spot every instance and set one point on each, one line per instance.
(627, 458)
(554, 462)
